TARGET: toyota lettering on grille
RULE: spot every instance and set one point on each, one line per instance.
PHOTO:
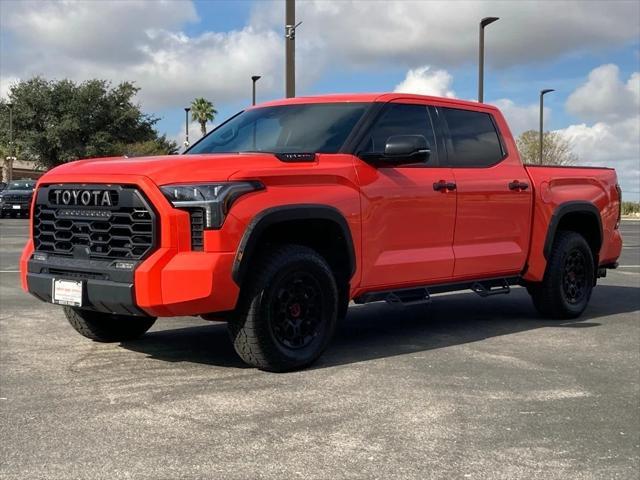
(85, 198)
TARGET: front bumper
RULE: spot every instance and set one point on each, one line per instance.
(14, 207)
(189, 283)
(173, 280)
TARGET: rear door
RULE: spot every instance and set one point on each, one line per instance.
(493, 193)
(407, 223)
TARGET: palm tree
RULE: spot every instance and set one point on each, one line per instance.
(202, 111)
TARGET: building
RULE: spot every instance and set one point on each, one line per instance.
(20, 169)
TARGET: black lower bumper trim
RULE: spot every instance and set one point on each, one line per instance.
(100, 295)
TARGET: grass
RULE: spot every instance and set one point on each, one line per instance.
(631, 208)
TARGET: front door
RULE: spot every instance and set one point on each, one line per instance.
(407, 224)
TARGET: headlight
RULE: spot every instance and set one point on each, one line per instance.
(214, 198)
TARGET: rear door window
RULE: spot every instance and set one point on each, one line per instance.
(473, 138)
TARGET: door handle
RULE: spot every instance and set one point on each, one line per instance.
(517, 185)
(442, 185)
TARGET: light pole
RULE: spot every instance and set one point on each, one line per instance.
(483, 23)
(254, 79)
(186, 126)
(290, 48)
(542, 94)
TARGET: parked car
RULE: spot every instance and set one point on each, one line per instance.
(287, 211)
(15, 199)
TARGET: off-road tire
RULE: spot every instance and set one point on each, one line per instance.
(555, 297)
(256, 328)
(343, 302)
(106, 327)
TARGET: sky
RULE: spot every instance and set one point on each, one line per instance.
(175, 50)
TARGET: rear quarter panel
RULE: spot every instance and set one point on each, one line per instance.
(554, 186)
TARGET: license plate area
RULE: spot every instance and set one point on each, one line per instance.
(67, 292)
(16, 207)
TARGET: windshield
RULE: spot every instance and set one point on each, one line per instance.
(307, 128)
(20, 186)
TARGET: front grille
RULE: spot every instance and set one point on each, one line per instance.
(124, 230)
(16, 199)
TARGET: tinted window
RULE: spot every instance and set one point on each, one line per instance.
(21, 185)
(400, 119)
(310, 128)
(474, 140)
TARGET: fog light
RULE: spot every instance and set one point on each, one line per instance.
(40, 257)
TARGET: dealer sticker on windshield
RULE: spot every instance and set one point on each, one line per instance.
(67, 292)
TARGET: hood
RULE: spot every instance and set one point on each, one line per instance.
(17, 193)
(172, 168)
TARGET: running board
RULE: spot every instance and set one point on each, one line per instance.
(487, 290)
(420, 295)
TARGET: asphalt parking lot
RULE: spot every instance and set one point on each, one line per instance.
(463, 388)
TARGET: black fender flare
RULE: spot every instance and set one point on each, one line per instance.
(561, 211)
(285, 213)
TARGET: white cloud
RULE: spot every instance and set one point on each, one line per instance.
(95, 31)
(445, 33)
(145, 42)
(521, 117)
(615, 145)
(604, 96)
(141, 42)
(424, 81)
(613, 140)
(5, 85)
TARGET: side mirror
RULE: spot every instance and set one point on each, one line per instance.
(402, 149)
(407, 146)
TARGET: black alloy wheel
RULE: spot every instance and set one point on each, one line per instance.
(296, 310)
(574, 276)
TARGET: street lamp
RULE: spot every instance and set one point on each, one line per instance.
(186, 126)
(542, 94)
(483, 23)
(254, 79)
(290, 47)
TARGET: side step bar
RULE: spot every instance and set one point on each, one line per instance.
(419, 295)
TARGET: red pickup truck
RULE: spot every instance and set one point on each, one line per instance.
(289, 210)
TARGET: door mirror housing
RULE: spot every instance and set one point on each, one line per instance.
(400, 150)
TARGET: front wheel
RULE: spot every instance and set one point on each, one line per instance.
(287, 314)
(106, 327)
(568, 281)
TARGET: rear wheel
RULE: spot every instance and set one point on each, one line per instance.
(287, 314)
(568, 281)
(106, 327)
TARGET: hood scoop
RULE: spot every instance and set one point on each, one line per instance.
(300, 157)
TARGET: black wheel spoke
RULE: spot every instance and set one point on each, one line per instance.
(295, 311)
(574, 276)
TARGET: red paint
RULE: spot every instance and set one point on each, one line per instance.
(404, 232)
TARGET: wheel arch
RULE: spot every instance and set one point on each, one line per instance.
(581, 217)
(299, 217)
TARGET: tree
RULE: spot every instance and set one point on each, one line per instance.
(556, 148)
(59, 121)
(202, 111)
(158, 146)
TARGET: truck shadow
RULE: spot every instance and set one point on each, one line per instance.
(378, 330)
